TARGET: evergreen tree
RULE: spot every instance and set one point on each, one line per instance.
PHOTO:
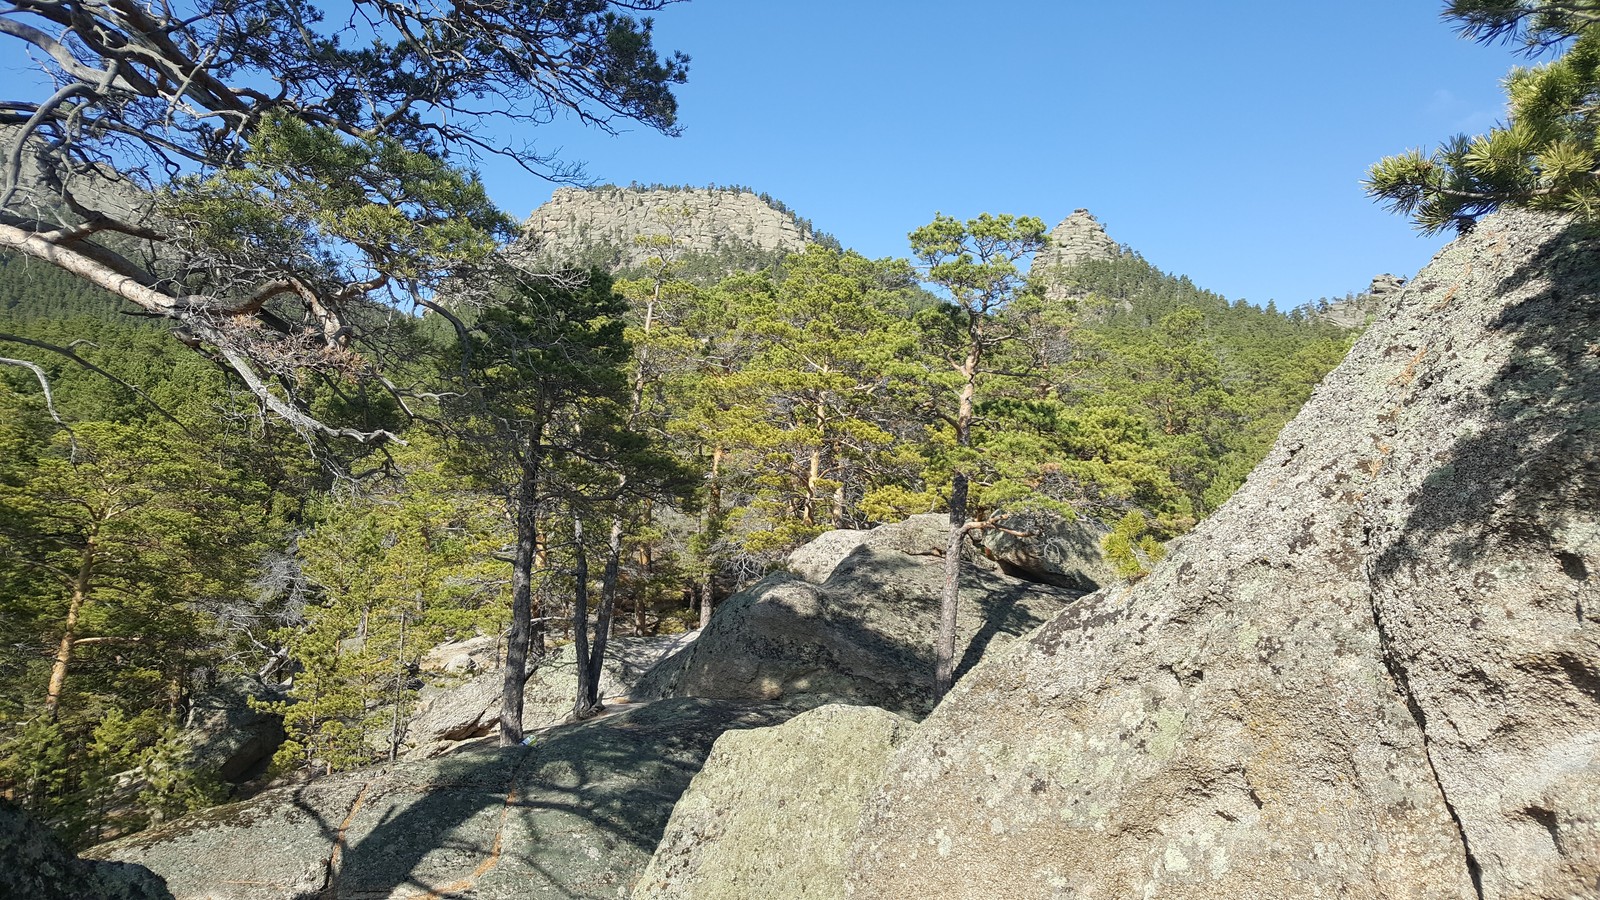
(1544, 156)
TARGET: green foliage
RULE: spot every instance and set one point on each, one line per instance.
(1544, 156)
(179, 498)
(396, 570)
(1132, 547)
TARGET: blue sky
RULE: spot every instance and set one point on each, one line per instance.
(1221, 140)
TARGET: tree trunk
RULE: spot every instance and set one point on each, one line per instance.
(944, 651)
(80, 596)
(602, 616)
(708, 522)
(582, 707)
(518, 639)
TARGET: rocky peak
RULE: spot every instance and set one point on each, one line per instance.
(1356, 311)
(1078, 238)
(602, 225)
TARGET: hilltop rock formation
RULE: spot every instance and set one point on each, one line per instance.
(576, 814)
(1375, 672)
(600, 225)
(774, 811)
(1356, 311)
(864, 635)
(1078, 238)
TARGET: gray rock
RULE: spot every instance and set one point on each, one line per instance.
(1052, 550)
(1078, 238)
(1357, 311)
(864, 636)
(37, 867)
(577, 814)
(1374, 673)
(448, 712)
(699, 221)
(463, 657)
(227, 735)
(923, 535)
(773, 812)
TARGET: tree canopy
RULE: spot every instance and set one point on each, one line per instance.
(275, 177)
(1544, 155)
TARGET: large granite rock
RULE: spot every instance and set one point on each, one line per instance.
(773, 812)
(451, 711)
(1053, 550)
(863, 636)
(924, 535)
(576, 221)
(1358, 310)
(577, 814)
(1076, 239)
(34, 866)
(1374, 673)
(227, 732)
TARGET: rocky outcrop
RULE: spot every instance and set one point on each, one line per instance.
(576, 814)
(1374, 673)
(1357, 311)
(773, 812)
(575, 223)
(1078, 238)
(229, 735)
(923, 535)
(36, 867)
(862, 636)
(1050, 549)
(449, 713)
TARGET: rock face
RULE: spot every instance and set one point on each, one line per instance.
(863, 636)
(37, 868)
(229, 736)
(709, 221)
(923, 535)
(576, 814)
(1374, 673)
(1052, 550)
(448, 714)
(773, 812)
(1078, 238)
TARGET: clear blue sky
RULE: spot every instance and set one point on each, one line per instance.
(1224, 141)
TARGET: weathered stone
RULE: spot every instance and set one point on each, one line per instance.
(923, 535)
(773, 812)
(448, 713)
(1052, 550)
(228, 735)
(699, 221)
(1374, 673)
(1078, 238)
(865, 636)
(1357, 311)
(463, 657)
(34, 866)
(577, 814)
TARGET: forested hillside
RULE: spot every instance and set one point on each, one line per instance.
(691, 431)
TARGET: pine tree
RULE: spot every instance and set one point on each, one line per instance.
(1544, 156)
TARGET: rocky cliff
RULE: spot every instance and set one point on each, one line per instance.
(605, 225)
(1374, 673)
